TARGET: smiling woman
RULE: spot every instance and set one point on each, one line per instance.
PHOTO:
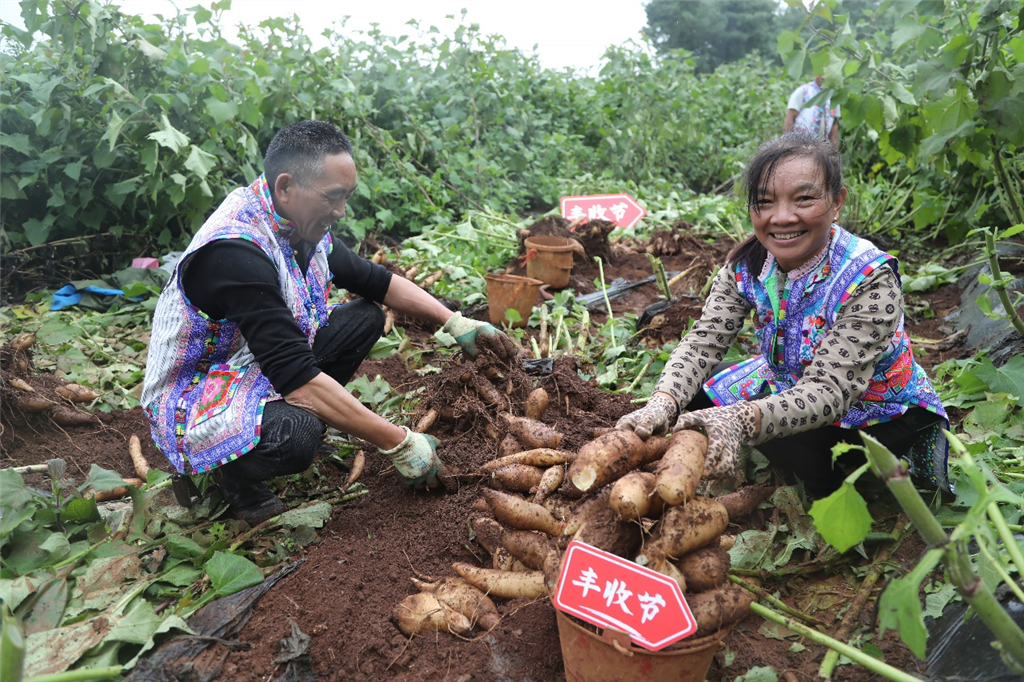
(828, 315)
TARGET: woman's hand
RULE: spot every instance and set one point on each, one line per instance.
(656, 417)
(416, 460)
(726, 427)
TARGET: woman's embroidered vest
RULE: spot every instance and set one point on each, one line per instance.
(204, 392)
(806, 312)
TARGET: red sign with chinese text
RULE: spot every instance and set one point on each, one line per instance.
(609, 591)
(621, 209)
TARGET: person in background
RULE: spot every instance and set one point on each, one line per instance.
(828, 315)
(247, 362)
(821, 120)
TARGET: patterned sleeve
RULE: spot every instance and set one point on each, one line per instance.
(843, 364)
(708, 340)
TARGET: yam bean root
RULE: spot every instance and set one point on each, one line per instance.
(426, 421)
(684, 529)
(505, 584)
(605, 530)
(33, 403)
(533, 549)
(719, 608)
(464, 598)
(705, 568)
(488, 532)
(549, 482)
(519, 513)
(744, 501)
(522, 478)
(424, 612)
(358, 464)
(66, 417)
(138, 460)
(488, 393)
(532, 433)
(536, 404)
(633, 496)
(605, 459)
(681, 467)
(509, 445)
(76, 393)
(538, 457)
(502, 560)
(22, 342)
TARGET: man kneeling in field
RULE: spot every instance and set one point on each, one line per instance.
(247, 362)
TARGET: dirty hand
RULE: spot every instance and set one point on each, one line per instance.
(726, 427)
(656, 417)
(416, 461)
(469, 333)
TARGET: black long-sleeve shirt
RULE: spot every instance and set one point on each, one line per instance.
(233, 279)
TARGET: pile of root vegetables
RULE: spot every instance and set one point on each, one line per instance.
(634, 498)
(25, 393)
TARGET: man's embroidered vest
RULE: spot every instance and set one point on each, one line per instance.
(204, 392)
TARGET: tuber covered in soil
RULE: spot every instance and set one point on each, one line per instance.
(506, 584)
(680, 469)
(519, 513)
(605, 459)
(684, 529)
(633, 496)
(532, 433)
(705, 568)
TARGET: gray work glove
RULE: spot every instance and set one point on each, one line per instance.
(726, 428)
(656, 417)
(472, 334)
(416, 460)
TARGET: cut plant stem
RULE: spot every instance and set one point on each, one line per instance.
(853, 653)
(659, 275)
(861, 598)
(764, 595)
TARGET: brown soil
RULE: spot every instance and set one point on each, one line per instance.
(344, 594)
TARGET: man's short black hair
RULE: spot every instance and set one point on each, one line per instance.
(300, 149)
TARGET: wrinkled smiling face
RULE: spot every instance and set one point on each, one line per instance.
(795, 212)
(319, 205)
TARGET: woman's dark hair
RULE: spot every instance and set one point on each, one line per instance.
(299, 149)
(760, 171)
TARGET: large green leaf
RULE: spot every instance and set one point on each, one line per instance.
(230, 573)
(16, 504)
(200, 162)
(220, 111)
(100, 479)
(168, 136)
(1006, 379)
(842, 518)
(899, 607)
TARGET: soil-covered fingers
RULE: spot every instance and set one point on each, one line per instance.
(499, 344)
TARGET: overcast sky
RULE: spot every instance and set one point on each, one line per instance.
(567, 33)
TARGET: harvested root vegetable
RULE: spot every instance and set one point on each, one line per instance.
(488, 532)
(411, 273)
(744, 501)
(521, 478)
(518, 513)
(705, 568)
(464, 598)
(503, 560)
(532, 433)
(726, 542)
(138, 460)
(358, 464)
(670, 570)
(389, 321)
(605, 530)
(424, 612)
(655, 448)
(116, 493)
(538, 457)
(533, 549)
(76, 393)
(684, 529)
(719, 608)
(426, 421)
(605, 459)
(21, 385)
(487, 392)
(380, 257)
(22, 342)
(506, 584)
(509, 445)
(66, 417)
(682, 466)
(584, 511)
(549, 482)
(33, 403)
(536, 404)
(633, 496)
(431, 279)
